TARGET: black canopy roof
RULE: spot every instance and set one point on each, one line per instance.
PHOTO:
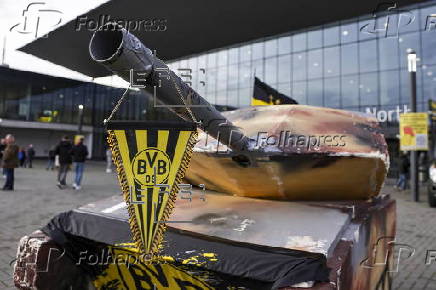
(195, 26)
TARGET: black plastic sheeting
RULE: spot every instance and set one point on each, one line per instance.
(238, 264)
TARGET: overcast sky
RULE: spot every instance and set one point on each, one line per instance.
(11, 16)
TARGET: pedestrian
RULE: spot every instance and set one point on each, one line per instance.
(108, 161)
(51, 158)
(79, 153)
(10, 161)
(30, 154)
(403, 169)
(2, 149)
(63, 150)
(22, 156)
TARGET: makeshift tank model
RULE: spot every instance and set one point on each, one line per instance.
(288, 152)
(307, 212)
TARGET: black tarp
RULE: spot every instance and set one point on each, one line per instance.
(237, 264)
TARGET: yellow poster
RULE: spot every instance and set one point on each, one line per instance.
(413, 131)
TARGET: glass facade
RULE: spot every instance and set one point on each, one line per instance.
(353, 64)
(356, 64)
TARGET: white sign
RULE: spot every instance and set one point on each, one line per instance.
(387, 115)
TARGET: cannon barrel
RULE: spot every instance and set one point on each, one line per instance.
(120, 52)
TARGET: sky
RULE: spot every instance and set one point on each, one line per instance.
(14, 34)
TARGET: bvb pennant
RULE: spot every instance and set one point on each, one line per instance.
(151, 160)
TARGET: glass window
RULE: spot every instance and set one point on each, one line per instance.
(184, 64)
(211, 60)
(285, 45)
(366, 29)
(232, 98)
(192, 63)
(271, 70)
(349, 59)
(222, 57)
(201, 61)
(315, 64)
(408, 20)
(233, 55)
(233, 77)
(368, 56)
(285, 88)
(427, 22)
(429, 84)
(387, 24)
(245, 53)
(58, 106)
(15, 101)
(411, 41)
(257, 49)
(245, 75)
(315, 93)
(221, 98)
(299, 66)
(245, 97)
(331, 35)
(349, 32)
(258, 69)
(428, 47)
(331, 61)
(211, 80)
(389, 88)
(66, 117)
(271, 48)
(349, 91)
(211, 97)
(285, 67)
(299, 42)
(299, 92)
(332, 92)
(222, 78)
(388, 53)
(314, 38)
(368, 89)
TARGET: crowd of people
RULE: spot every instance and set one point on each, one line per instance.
(62, 156)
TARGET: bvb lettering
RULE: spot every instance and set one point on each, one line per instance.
(151, 166)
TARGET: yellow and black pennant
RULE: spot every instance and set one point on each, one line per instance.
(151, 160)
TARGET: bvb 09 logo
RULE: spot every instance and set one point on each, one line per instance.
(151, 166)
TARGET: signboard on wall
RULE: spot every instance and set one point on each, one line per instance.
(413, 131)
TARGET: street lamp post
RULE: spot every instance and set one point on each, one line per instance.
(80, 125)
(411, 65)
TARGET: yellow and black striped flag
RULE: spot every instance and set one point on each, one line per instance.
(263, 94)
(151, 160)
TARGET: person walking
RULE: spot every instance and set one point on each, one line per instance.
(22, 156)
(30, 154)
(63, 150)
(2, 149)
(10, 161)
(79, 153)
(403, 169)
(51, 158)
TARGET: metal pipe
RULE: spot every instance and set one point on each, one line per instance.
(414, 183)
(121, 52)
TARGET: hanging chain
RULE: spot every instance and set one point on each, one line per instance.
(124, 95)
(183, 100)
(117, 106)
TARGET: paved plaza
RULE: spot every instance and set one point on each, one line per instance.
(37, 199)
